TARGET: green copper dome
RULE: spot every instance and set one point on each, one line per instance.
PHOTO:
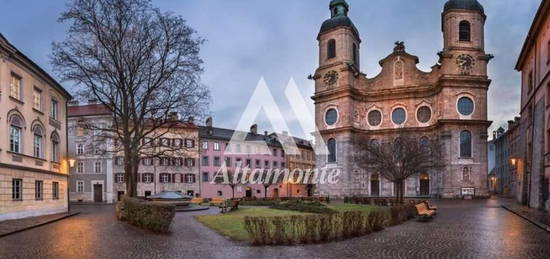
(339, 17)
(473, 5)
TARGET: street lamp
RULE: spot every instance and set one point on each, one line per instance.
(513, 161)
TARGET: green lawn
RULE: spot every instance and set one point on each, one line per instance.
(232, 224)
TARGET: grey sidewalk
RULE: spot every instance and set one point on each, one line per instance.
(9, 227)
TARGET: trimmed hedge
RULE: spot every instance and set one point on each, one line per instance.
(307, 229)
(153, 216)
(401, 213)
(304, 206)
(259, 202)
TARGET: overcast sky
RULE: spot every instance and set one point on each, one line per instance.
(276, 40)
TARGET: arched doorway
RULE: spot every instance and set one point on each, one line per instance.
(424, 184)
(248, 192)
(375, 185)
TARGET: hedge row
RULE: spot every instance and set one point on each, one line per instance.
(304, 206)
(307, 229)
(153, 216)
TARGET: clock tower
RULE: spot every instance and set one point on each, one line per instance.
(463, 25)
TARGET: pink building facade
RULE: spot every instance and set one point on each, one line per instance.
(214, 153)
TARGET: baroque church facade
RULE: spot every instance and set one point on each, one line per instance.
(447, 104)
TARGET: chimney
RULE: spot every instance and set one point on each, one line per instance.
(494, 135)
(265, 133)
(254, 129)
(209, 122)
(191, 119)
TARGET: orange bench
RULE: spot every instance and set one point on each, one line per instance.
(423, 211)
(197, 200)
(217, 201)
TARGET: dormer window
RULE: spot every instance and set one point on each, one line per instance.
(331, 49)
(464, 31)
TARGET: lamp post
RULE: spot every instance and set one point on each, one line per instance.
(71, 165)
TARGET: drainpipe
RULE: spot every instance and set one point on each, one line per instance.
(67, 155)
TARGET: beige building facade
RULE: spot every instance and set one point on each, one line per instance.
(33, 143)
(534, 65)
(447, 104)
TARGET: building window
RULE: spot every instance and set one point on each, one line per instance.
(55, 148)
(228, 161)
(16, 126)
(275, 164)
(15, 86)
(205, 177)
(464, 31)
(331, 116)
(220, 193)
(248, 163)
(80, 167)
(190, 162)
(189, 178)
(399, 116)
(147, 178)
(189, 143)
(119, 178)
(274, 152)
(465, 144)
(258, 163)
(465, 106)
(97, 167)
(374, 118)
(37, 142)
(424, 114)
(37, 99)
(266, 164)
(55, 109)
(331, 146)
(17, 189)
(79, 149)
(38, 190)
(216, 146)
(164, 178)
(80, 186)
(205, 161)
(331, 49)
(55, 190)
(205, 145)
(217, 161)
(238, 163)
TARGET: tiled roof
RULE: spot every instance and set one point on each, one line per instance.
(88, 110)
(227, 134)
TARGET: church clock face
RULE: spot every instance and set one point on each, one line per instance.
(465, 63)
(330, 78)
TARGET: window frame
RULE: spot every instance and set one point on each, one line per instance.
(55, 190)
(38, 190)
(331, 49)
(461, 145)
(326, 113)
(464, 33)
(17, 189)
(404, 119)
(18, 90)
(80, 186)
(332, 156)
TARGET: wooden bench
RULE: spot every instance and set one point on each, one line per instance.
(424, 213)
(216, 201)
(197, 200)
(230, 205)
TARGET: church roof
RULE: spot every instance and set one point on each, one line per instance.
(464, 4)
(339, 18)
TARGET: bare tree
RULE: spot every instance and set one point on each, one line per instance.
(142, 64)
(400, 158)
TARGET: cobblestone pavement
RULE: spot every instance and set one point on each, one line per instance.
(463, 229)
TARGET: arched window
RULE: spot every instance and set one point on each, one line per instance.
(399, 116)
(464, 31)
(331, 49)
(38, 142)
(465, 144)
(374, 118)
(331, 146)
(355, 55)
(55, 147)
(16, 127)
